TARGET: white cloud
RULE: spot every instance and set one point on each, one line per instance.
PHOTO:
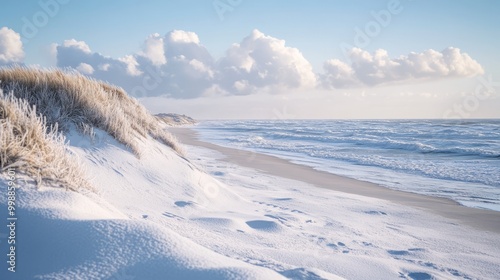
(123, 72)
(241, 85)
(378, 68)
(461, 64)
(85, 68)
(190, 70)
(154, 50)
(338, 73)
(104, 67)
(180, 36)
(177, 65)
(201, 67)
(80, 45)
(11, 47)
(131, 64)
(264, 61)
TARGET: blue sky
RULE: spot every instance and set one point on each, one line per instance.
(316, 28)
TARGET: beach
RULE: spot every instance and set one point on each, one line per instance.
(225, 139)
(477, 218)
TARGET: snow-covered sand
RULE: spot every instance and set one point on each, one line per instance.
(479, 218)
(166, 217)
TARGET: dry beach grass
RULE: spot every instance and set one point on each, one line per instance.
(38, 106)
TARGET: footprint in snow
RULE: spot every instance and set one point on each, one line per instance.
(419, 276)
(404, 252)
(170, 215)
(301, 273)
(398, 252)
(283, 199)
(181, 203)
(263, 225)
(218, 173)
(373, 212)
(339, 246)
(280, 219)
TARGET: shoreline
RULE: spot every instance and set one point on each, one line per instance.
(487, 220)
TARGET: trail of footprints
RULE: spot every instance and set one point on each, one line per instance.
(278, 216)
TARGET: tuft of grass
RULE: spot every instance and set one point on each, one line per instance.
(32, 147)
(55, 101)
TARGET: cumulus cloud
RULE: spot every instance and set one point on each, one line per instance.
(177, 65)
(78, 45)
(11, 47)
(180, 36)
(261, 61)
(190, 68)
(75, 54)
(154, 50)
(85, 68)
(131, 65)
(338, 74)
(104, 67)
(376, 68)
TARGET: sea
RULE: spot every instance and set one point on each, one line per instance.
(456, 159)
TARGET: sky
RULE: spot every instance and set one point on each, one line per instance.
(239, 59)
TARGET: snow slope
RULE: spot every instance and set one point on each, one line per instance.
(166, 217)
(67, 235)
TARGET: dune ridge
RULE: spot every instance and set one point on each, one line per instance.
(39, 106)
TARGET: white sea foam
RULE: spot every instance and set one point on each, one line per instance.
(455, 159)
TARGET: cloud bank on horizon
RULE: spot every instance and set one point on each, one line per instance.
(177, 65)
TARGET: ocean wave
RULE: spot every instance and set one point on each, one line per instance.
(371, 143)
(448, 150)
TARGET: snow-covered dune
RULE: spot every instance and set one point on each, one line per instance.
(117, 232)
(105, 222)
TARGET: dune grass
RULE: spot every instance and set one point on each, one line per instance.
(32, 147)
(38, 106)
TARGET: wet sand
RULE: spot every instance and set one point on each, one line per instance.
(481, 219)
